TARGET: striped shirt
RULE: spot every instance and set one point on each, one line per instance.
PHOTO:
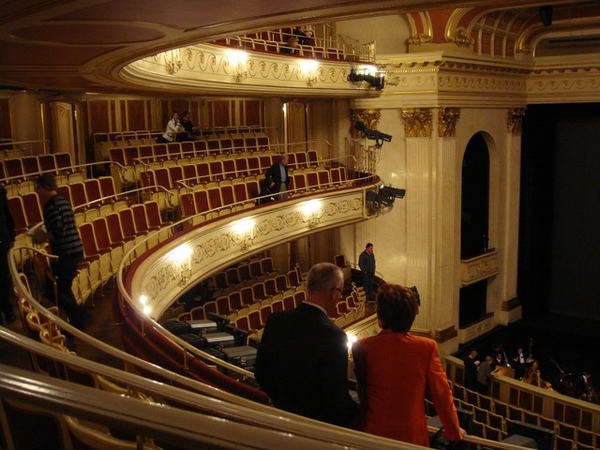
(60, 223)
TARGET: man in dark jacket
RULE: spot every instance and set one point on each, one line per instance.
(366, 262)
(302, 361)
(62, 233)
(278, 172)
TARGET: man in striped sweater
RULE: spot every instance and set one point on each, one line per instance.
(62, 234)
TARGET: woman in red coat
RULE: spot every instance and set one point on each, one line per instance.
(394, 370)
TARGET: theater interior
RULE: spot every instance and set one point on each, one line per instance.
(461, 138)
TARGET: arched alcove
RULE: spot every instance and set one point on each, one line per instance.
(474, 224)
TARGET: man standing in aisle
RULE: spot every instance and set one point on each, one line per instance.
(366, 262)
(62, 234)
(278, 172)
(302, 361)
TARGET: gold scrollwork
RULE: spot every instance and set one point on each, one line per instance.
(515, 120)
(447, 120)
(461, 38)
(370, 117)
(417, 122)
(419, 39)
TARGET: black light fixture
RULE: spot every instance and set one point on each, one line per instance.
(392, 192)
(546, 15)
(375, 135)
(384, 196)
(376, 82)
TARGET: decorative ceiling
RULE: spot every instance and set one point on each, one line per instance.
(79, 46)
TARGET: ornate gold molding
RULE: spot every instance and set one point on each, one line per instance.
(419, 39)
(461, 38)
(417, 121)
(370, 117)
(159, 276)
(515, 120)
(447, 120)
(479, 268)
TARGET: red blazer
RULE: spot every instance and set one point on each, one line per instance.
(393, 372)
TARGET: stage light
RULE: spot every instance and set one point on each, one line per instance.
(375, 135)
(376, 82)
(390, 191)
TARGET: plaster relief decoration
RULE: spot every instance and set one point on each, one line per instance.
(447, 120)
(479, 268)
(173, 61)
(202, 65)
(370, 117)
(419, 39)
(478, 329)
(417, 122)
(461, 38)
(191, 257)
(515, 120)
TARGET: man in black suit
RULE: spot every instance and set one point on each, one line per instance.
(303, 357)
(471, 365)
(279, 173)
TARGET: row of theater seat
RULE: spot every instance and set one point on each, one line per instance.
(106, 240)
(270, 46)
(207, 201)
(117, 136)
(248, 307)
(17, 174)
(90, 198)
(490, 415)
(213, 145)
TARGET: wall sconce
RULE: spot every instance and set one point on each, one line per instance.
(182, 257)
(237, 60)
(367, 74)
(243, 233)
(312, 212)
(173, 61)
(309, 68)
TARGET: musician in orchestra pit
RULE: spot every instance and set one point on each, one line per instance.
(520, 363)
(471, 364)
(484, 375)
(584, 389)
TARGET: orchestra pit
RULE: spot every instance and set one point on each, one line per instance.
(459, 138)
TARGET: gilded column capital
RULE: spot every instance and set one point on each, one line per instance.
(515, 120)
(370, 117)
(447, 120)
(417, 121)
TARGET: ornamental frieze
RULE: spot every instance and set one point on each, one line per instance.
(162, 278)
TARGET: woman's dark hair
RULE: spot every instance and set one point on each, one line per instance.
(396, 307)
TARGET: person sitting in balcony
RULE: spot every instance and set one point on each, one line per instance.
(174, 127)
(305, 35)
(291, 46)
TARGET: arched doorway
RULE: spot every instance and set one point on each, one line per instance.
(474, 224)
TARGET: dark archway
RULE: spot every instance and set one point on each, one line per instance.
(474, 224)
